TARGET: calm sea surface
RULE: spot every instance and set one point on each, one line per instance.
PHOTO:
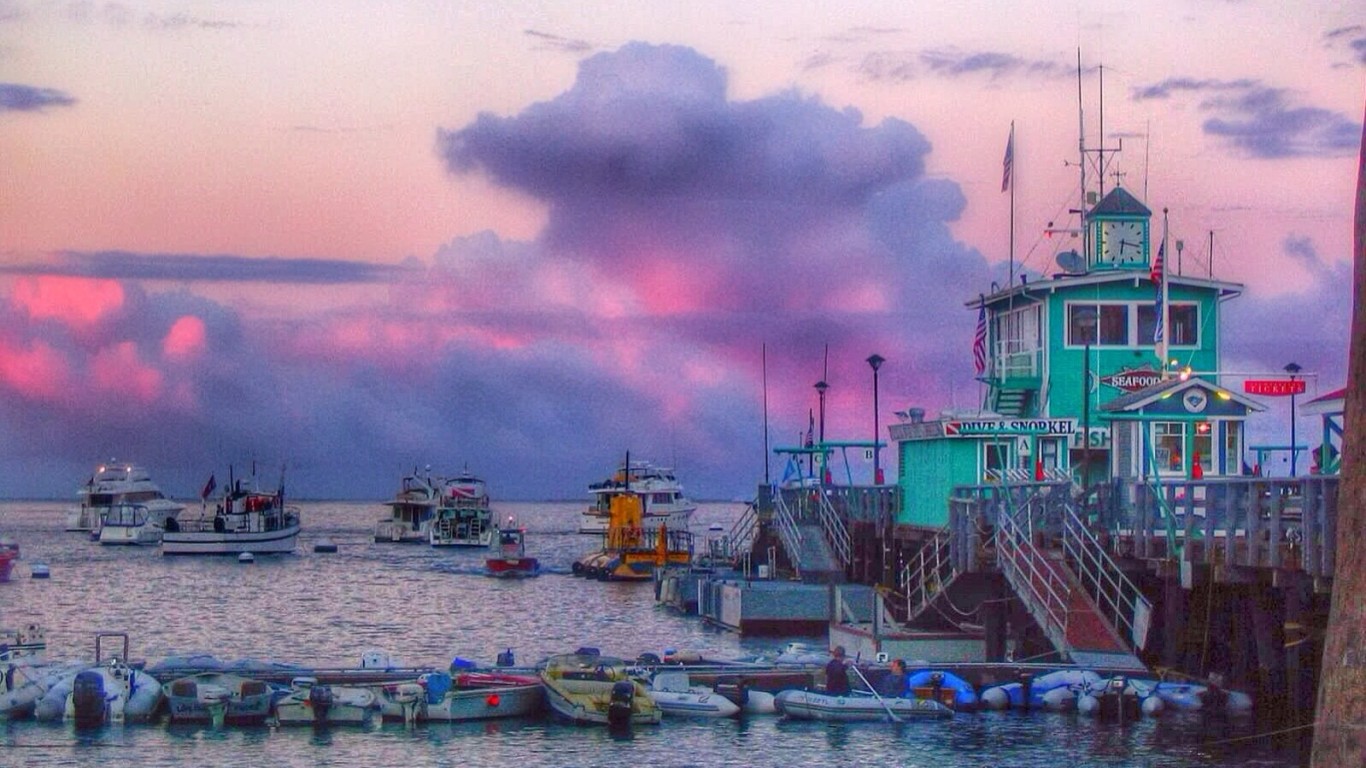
(425, 607)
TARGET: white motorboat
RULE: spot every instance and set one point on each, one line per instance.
(119, 483)
(246, 521)
(463, 518)
(659, 490)
(676, 695)
(312, 703)
(126, 523)
(411, 511)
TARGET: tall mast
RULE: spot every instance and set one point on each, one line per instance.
(1081, 165)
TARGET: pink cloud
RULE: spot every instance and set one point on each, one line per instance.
(77, 301)
(118, 369)
(185, 339)
(37, 371)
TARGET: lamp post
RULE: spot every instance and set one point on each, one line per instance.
(1292, 369)
(821, 386)
(875, 361)
(1087, 321)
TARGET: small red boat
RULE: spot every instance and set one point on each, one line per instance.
(511, 560)
(8, 554)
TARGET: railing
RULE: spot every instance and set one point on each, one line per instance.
(1118, 598)
(788, 532)
(928, 573)
(836, 535)
(744, 530)
(1045, 593)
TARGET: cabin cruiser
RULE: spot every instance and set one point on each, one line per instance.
(246, 521)
(411, 511)
(463, 518)
(658, 489)
(119, 483)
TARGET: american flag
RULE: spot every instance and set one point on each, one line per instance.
(1008, 164)
(1157, 276)
(979, 341)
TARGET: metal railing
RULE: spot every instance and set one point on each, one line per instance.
(788, 532)
(928, 573)
(1045, 593)
(1119, 600)
(836, 535)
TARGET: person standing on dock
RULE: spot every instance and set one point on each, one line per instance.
(837, 673)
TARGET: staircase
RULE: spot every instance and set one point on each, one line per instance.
(927, 575)
(1089, 610)
(1013, 401)
(803, 532)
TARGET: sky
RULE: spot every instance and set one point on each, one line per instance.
(345, 239)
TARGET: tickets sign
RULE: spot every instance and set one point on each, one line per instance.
(1274, 387)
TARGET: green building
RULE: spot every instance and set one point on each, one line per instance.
(1077, 381)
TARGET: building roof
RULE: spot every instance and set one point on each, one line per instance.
(1119, 202)
(1333, 403)
(1135, 401)
(1035, 291)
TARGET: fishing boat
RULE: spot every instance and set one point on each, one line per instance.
(247, 520)
(119, 483)
(511, 560)
(661, 495)
(812, 705)
(411, 510)
(463, 518)
(631, 551)
(312, 703)
(588, 688)
(220, 698)
(675, 694)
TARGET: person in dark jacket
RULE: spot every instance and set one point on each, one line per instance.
(894, 684)
(837, 673)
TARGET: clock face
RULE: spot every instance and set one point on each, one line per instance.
(1121, 240)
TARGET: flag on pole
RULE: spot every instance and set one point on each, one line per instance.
(1158, 278)
(1007, 165)
(979, 341)
(208, 488)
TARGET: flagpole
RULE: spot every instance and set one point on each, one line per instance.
(1166, 328)
(1011, 152)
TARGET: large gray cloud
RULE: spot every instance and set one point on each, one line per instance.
(16, 97)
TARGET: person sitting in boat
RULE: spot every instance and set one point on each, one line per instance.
(837, 673)
(894, 683)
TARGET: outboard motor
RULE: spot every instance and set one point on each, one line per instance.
(321, 698)
(620, 704)
(733, 688)
(87, 699)
(507, 659)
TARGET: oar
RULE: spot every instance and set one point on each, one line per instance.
(876, 695)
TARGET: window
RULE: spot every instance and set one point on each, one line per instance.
(1184, 321)
(1202, 445)
(1101, 324)
(1169, 442)
(1233, 447)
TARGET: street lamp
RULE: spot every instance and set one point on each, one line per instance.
(821, 386)
(1292, 369)
(875, 361)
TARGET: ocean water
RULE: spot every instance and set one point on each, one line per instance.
(425, 607)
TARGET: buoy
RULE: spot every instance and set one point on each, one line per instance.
(324, 545)
(38, 571)
(246, 557)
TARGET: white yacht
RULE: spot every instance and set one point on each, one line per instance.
(463, 519)
(659, 490)
(246, 521)
(116, 483)
(411, 511)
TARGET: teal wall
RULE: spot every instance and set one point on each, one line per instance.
(928, 472)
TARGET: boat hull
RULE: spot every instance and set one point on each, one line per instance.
(809, 705)
(328, 705)
(230, 543)
(513, 567)
(210, 696)
(487, 703)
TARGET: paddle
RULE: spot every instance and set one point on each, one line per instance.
(878, 696)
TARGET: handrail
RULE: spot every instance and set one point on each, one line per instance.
(788, 532)
(933, 572)
(1118, 598)
(742, 531)
(835, 532)
(1019, 560)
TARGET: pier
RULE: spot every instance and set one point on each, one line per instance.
(1226, 578)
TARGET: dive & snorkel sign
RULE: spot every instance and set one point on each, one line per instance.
(991, 427)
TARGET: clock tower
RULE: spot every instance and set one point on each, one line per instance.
(1119, 232)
